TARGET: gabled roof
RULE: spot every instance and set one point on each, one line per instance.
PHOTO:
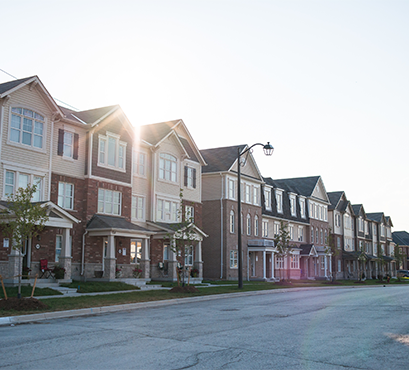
(334, 198)
(177, 227)
(377, 216)
(308, 250)
(155, 132)
(401, 237)
(7, 88)
(300, 185)
(92, 116)
(10, 85)
(357, 209)
(221, 159)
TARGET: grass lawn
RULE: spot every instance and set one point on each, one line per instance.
(99, 286)
(69, 303)
(26, 291)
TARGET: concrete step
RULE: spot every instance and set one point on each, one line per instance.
(64, 290)
(152, 287)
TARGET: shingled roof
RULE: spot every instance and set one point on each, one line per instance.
(401, 237)
(6, 86)
(220, 159)
(155, 132)
(300, 185)
(375, 216)
(112, 222)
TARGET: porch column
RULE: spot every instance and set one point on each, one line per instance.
(264, 265)
(330, 266)
(109, 271)
(272, 265)
(172, 264)
(65, 256)
(145, 260)
(325, 266)
(198, 259)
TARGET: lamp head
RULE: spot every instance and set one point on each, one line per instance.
(268, 149)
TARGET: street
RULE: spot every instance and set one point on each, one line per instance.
(346, 328)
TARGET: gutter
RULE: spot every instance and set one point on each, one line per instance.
(83, 253)
(221, 230)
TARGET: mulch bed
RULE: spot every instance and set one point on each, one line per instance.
(184, 289)
(22, 304)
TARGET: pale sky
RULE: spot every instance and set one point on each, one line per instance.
(326, 82)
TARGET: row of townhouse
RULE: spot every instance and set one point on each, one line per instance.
(112, 193)
(116, 197)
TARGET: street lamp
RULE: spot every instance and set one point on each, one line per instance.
(268, 150)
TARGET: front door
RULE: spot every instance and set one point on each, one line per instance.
(253, 263)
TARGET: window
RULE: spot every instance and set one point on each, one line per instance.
(189, 256)
(294, 261)
(326, 236)
(316, 236)
(361, 224)
(109, 202)
(265, 229)
(27, 127)
(337, 220)
(279, 263)
(347, 221)
(233, 259)
(190, 213)
(256, 225)
(339, 265)
(322, 262)
(58, 247)
(66, 195)
(6, 242)
(139, 164)
(311, 210)
(338, 242)
(300, 233)
(167, 167)
(67, 144)
(256, 196)
(165, 252)
(382, 230)
(112, 152)
(248, 193)
(279, 199)
(248, 223)
(232, 221)
(366, 227)
(136, 251)
(322, 237)
(190, 177)
(167, 210)
(276, 229)
(231, 189)
(292, 205)
(15, 180)
(138, 208)
(291, 227)
(312, 235)
(241, 223)
(267, 198)
(302, 208)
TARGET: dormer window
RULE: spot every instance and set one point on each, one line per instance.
(302, 207)
(267, 198)
(292, 206)
(27, 128)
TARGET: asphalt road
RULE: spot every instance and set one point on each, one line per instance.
(348, 328)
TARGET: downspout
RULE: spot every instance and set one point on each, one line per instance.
(153, 175)
(51, 161)
(83, 253)
(221, 229)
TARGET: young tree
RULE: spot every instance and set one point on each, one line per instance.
(381, 261)
(331, 248)
(282, 243)
(399, 256)
(22, 220)
(361, 263)
(183, 236)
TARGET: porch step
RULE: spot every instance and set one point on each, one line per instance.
(64, 290)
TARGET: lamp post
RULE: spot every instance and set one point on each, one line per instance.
(268, 150)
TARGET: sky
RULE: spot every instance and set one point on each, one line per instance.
(325, 81)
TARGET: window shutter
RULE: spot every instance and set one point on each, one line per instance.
(60, 142)
(76, 139)
(194, 178)
(185, 176)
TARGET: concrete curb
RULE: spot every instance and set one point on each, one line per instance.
(22, 319)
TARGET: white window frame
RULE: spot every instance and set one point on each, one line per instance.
(294, 261)
(138, 209)
(280, 263)
(291, 231)
(232, 222)
(189, 255)
(279, 200)
(31, 179)
(234, 259)
(231, 189)
(247, 189)
(35, 118)
(104, 203)
(265, 228)
(58, 247)
(276, 229)
(256, 225)
(256, 195)
(267, 198)
(302, 207)
(135, 251)
(190, 213)
(167, 210)
(67, 145)
(103, 153)
(168, 168)
(139, 163)
(248, 224)
(62, 198)
(293, 208)
(300, 233)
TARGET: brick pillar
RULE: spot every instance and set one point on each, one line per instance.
(198, 259)
(145, 261)
(172, 265)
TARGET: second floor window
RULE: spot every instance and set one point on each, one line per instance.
(167, 167)
(109, 202)
(248, 193)
(190, 177)
(66, 195)
(256, 225)
(267, 198)
(67, 144)
(138, 208)
(248, 225)
(14, 180)
(265, 229)
(27, 128)
(139, 163)
(291, 227)
(190, 213)
(231, 189)
(112, 152)
(232, 221)
(300, 233)
(167, 210)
